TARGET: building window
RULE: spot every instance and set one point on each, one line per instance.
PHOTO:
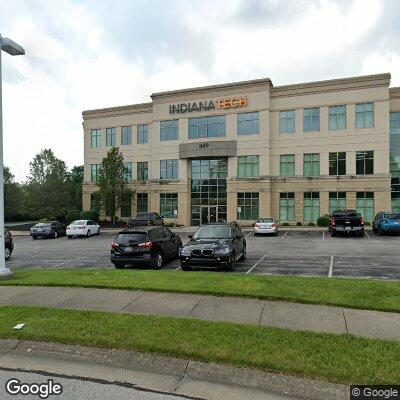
(143, 134)
(168, 205)
(126, 135)
(311, 119)
(95, 138)
(169, 169)
(337, 201)
(311, 206)
(311, 164)
(142, 171)
(142, 202)
(110, 137)
(248, 123)
(169, 130)
(287, 121)
(365, 205)
(365, 115)
(204, 127)
(337, 163)
(126, 206)
(95, 172)
(395, 123)
(286, 207)
(248, 166)
(337, 117)
(364, 162)
(396, 194)
(128, 171)
(287, 165)
(95, 204)
(248, 203)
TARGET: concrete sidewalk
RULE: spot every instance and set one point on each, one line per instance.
(296, 316)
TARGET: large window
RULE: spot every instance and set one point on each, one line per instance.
(128, 171)
(169, 204)
(248, 123)
(287, 165)
(365, 115)
(311, 164)
(248, 166)
(142, 171)
(311, 206)
(286, 207)
(203, 127)
(395, 123)
(143, 134)
(364, 162)
(95, 172)
(337, 117)
(248, 206)
(169, 130)
(396, 194)
(95, 137)
(287, 121)
(337, 201)
(311, 119)
(142, 204)
(110, 137)
(337, 163)
(126, 135)
(365, 205)
(126, 206)
(169, 169)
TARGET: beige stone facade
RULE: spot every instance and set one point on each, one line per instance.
(268, 103)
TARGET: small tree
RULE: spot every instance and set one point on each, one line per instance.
(13, 196)
(112, 182)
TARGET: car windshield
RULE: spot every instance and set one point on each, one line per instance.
(138, 237)
(79, 222)
(142, 215)
(265, 220)
(42, 225)
(213, 232)
(345, 213)
(392, 216)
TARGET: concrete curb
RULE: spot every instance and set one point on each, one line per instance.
(160, 373)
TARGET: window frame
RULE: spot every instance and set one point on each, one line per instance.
(314, 120)
(312, 164)
(364, 114)
(205, 126)
(165, 165)
(171, 203)
(367, 162)
(126, 137)
(338, 161)
(248, 162)
(142, 172)
(95, 134)
(251, 122)
(334, 117)
(287, 202)
(248, 209)
(111, 137)
(286, 163)
(169, 130)
(142, 133)
(284, 119)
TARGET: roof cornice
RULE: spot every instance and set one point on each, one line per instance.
(120, 110)
(394, 93)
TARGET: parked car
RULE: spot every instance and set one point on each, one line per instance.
(217, 245)
(266, 225)
(145, 246)
(52, 229)
(346, 222)
(146, 219)
(9, 244)
(386, 222)
(82, 227)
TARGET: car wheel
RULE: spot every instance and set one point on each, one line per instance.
(159, 260)
(119, 265)
(255, 234)
(34, 237)
(379, 231)
(7, 253)
(244, 255)
(69, 237)
(185, 267)
(232, 263)
(88, 234)
(333, 234)
(98, 232)
(55, 235)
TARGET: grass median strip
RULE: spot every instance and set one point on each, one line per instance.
(335, 358)
(354, 293)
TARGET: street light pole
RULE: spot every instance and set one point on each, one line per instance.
(13, 49)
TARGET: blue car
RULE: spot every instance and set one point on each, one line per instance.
(386, 222)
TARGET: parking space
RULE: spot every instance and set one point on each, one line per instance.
(298, 253)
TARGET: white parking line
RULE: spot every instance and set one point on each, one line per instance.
(330, 268)
(323, 234)
(65, 262)
(284, 235)
(255, 265)
(369, 237)
(177, 269)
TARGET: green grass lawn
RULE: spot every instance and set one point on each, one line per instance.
(354, 293)
(335, 358)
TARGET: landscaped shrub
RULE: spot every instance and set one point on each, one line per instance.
(299, 223)
(311, 224)
(367, 223)
(323, 221)
(286, 224)
(92, 215)
(72, 215)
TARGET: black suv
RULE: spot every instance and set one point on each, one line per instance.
(146, 218)
(9, 244)
(217, 245)
(150, 245)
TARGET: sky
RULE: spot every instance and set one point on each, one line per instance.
(87, 54)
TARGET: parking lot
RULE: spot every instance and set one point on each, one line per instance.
(302, 253)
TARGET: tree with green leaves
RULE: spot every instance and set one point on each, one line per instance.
(75, 181)
(47, 189)
(13, 196)
(112, 183)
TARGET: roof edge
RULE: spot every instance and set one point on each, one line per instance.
(129, 107)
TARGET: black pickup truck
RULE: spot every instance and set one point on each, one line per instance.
(346, 222)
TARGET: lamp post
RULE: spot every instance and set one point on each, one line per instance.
(13, 49)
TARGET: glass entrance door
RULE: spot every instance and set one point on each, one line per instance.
(204, 215)
(208, 214)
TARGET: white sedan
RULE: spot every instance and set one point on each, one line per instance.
(83, 227)
(266, 225)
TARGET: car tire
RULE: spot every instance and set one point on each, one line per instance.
(119, 265)
(55, 235)
(185, 267)
(255, 234)
(244, 255)
(361, 234)
(232, 263)
(88, 234)
(159, 260)
(333, 234)
(69, 236)
(34, 237)
(379, 231)
(98, 232)
(7, 253)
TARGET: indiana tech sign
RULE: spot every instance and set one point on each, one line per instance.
(206, 105)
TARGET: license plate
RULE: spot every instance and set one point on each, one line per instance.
(348, 228)
(128, 249)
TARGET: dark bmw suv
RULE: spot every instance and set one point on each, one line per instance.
(150, 245)
(214, 245)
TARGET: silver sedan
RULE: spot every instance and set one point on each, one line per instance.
(265, 225)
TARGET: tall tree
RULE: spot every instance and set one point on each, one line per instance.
(75, 181)
(13, 196)
(112, 182)
(47, 191)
